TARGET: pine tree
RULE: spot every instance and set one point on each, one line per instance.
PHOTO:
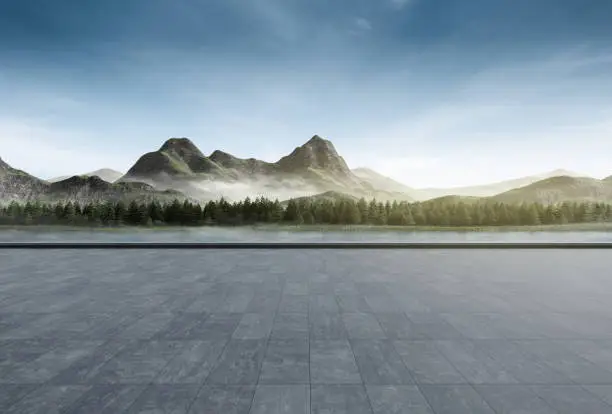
(68, 214)
(351, 213)
(408, 218)
(461, 216)
(308, 217)
(291, 212)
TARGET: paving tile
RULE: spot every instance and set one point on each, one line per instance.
(362, 326)
(475, 326)
(240, 362)
(427, 364)
(570, 399)
(11, 393)
(192, 364)
(281, 399)
(323, 303)
(513, 399)
(397, 399)
(139, 363)
(165, 398)
(476, 366)
(216, 327)
(595, 351)
(568, 363)
(434, 327)
(14, 321)
(296, 288)
(286, 362)
(455, 399)
(254, 326)
(397, 326)
(290, 326)
(339, 399)
(49, 364)
(333, 362)
(226, 399)
(21, 351)
(326, 325)
(48, 399)
(291, 303)
(147, 326)
(181, 325)
(236, 302)
(602, 391)
(85, 369)
(106, 399)
(523, 366)
(379, 363)
(353, 303)
(208, 303)
(320, 285)
(264, 303)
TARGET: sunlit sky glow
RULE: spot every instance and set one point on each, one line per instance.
(430, 92)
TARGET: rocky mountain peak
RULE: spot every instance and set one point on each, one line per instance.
(316, 153)
(221, 157)
(183, 147)
(93, 182)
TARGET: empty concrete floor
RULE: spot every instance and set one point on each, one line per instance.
(267, 332)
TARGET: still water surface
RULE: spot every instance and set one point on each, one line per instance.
(253, 235)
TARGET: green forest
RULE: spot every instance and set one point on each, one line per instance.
(301, 212)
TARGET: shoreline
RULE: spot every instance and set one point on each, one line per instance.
(576, 227)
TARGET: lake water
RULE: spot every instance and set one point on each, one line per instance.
(209, 234)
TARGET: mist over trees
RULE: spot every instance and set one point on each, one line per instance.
(302, 212)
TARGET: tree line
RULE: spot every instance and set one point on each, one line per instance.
(301, 212)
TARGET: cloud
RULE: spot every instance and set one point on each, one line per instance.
(400, 4)
(363, 24)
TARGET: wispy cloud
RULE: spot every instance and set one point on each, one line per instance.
(363, 24)
(400, 4)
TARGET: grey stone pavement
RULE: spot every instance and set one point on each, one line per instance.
(293, 331)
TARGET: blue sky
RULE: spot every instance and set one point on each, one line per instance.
(430, 92)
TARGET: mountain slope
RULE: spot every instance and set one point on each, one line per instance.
(318, 154)
(16, 184)
(558, 189)
(380, 181)
(107, 174)
(333, 196)
(20, 186)
(487, 190)
(93, 188)
(177, 157)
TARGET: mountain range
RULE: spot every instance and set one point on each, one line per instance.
(178, 169)
(106, 174)
(309, 169)
(18, 185)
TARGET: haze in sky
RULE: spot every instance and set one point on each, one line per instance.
(430, 92)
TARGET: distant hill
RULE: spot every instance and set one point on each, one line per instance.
(20, 186)
(558, 189)
(85, 188)
(107, 174)
(492, 189)
(381, 182)
(327, 196)
(453, 199)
